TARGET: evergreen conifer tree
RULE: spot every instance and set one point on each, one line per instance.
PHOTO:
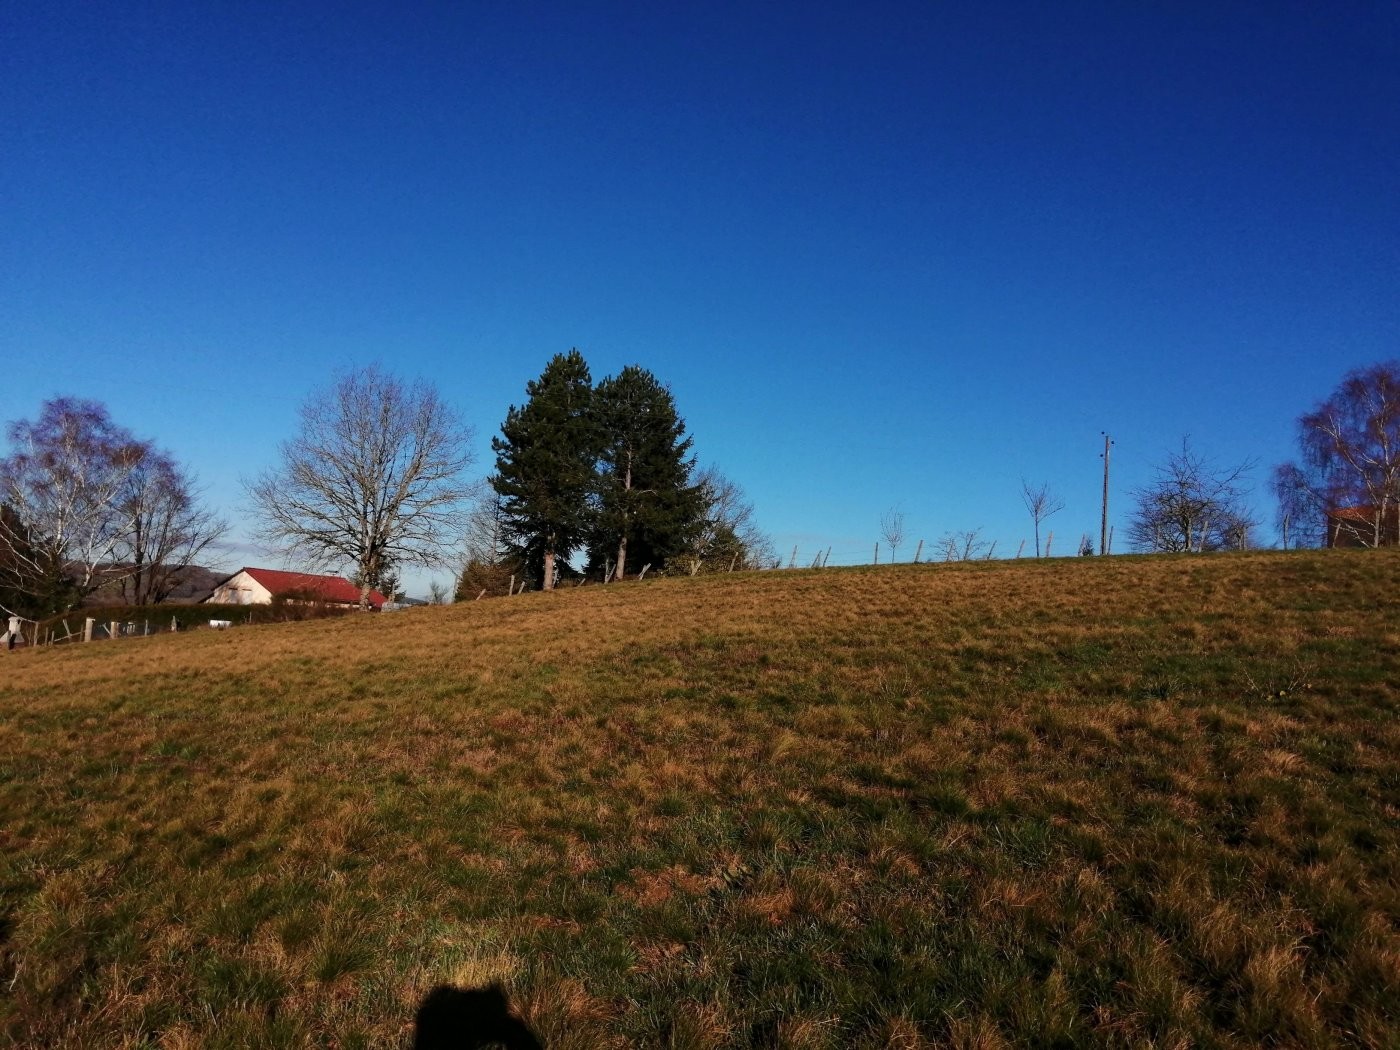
(545, 460)
(646, 506)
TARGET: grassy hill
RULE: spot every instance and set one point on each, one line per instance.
(1122, 802)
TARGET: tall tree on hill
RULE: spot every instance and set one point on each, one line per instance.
(545, 460)
(647, 508)
(374, 479)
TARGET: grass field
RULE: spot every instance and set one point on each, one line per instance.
(1084, 802)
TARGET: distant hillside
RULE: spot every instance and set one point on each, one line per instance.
(196, 584)
(1117, 802)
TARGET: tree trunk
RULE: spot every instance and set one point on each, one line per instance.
(622, 543)
(548, 583)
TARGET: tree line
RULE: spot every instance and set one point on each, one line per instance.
(591, 480)
(1343, 489)
(604, 471)
(375, 480)
(84, 505)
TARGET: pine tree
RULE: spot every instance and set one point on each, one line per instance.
(647, 507)
(545, 467)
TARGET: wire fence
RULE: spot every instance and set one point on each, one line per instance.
(956, 546)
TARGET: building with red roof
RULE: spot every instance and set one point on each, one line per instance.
(250, 586)
(1363, 526)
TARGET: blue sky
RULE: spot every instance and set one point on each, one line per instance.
(886, 255)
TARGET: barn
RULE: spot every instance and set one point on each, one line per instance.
(252, 586)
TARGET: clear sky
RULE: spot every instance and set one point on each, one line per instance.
(886, 255)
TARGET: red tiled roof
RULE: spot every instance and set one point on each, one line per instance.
(1362, 514)
(327, 588)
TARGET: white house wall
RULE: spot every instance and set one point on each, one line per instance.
(241, 590)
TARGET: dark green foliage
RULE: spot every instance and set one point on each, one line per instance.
(487, 579)
(544, 467)
(607, 468)
(32, 582)
(647, 509)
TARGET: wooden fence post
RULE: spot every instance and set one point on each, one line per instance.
(1048, 540)
(918, 551)
(1020, 548)
(877, 552)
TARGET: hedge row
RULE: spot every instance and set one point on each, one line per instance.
(187, 617)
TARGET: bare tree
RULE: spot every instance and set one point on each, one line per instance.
(966, 545)
(63, 486)
(1347, 486)
(1041, 503)
(374, 479)
(1298, 514)
(1192, 505)
(1236, 530)
(892, 529)
(485, 535)
(728, 536)
(167, 530)
(439, 593)
(488, 565)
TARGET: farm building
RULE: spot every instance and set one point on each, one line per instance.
(250, 586)
(1363, 527)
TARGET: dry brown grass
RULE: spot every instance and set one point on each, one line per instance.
(1124, 802)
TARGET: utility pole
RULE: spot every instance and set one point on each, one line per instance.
(1103, 530)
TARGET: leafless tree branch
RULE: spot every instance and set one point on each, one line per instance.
(375, 478)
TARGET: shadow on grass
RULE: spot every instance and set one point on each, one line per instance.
(470, 1019)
